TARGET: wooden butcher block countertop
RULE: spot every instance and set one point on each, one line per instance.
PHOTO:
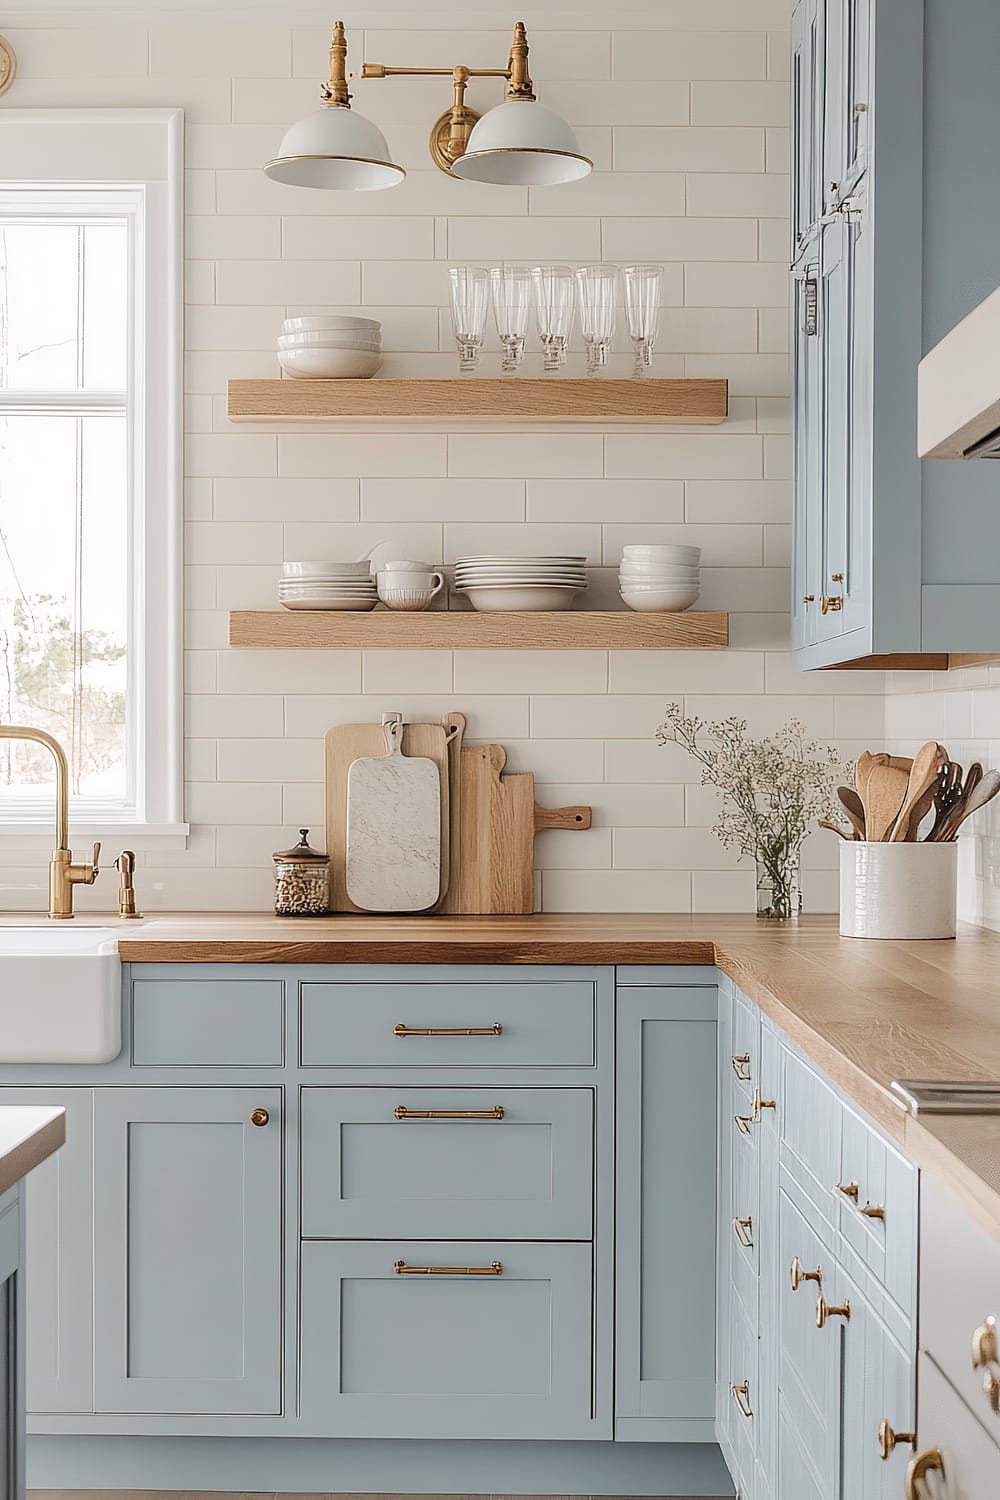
(28, 1134)
(866, 1012)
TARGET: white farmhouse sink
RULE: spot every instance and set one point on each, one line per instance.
(60, 994)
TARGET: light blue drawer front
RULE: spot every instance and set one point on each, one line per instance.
(207, 1022)
(447, 1356)
(527, 1175)
(514, 1023)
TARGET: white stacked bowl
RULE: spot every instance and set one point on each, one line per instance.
(330, 346)
(520, 583)
(327, 585)
(664, 577)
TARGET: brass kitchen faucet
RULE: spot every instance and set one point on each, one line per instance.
(63, 873)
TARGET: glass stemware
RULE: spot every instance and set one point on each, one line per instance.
(595, 287)
(511, 307)
(642, 310)
(555, 308)
(469, 292)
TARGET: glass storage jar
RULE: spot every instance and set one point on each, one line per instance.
(301, 880)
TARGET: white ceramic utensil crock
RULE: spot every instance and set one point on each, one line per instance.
(898, 890)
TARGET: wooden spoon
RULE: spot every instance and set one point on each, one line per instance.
(919, 812)
(854, 808)
(822, 823)
(883, 797)
(924, 775)
(982, 793)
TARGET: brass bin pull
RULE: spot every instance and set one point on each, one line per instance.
(741, 1067)
(874, 1211)
(824, 1311)
(743, 1123)
(757, 1104)
(741, 1395)
(984, 1345)
(848, 1189)
(495, 1268)
(798, 1276)
(917, 1471)
(402, 1113)
(743, 1230)
(259, 1117)
(888, 1440)
(495, 1030)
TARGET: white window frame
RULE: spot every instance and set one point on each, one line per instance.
(136, 156)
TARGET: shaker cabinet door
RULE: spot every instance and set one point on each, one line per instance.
(58, 1208)
(666, 1211)
(187, 1207)
(809, 1360)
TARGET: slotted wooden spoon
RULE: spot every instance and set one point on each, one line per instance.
(924, 775)
(982, 793)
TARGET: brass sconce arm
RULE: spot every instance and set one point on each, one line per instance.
(336, 92)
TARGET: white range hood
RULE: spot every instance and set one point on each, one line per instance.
(958, 389)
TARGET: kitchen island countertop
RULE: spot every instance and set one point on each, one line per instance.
(28, 1134)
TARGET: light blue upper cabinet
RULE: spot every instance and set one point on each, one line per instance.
(891, 107)
(666, 1212)
(187, 1250)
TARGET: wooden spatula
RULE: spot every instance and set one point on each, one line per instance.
(924, 775)
(883, 797)
(854, 808)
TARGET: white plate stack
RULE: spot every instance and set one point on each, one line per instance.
(662, 578)
(330, 346)
(327, 585)
(532, 583)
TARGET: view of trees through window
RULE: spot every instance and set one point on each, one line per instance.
(64, 491)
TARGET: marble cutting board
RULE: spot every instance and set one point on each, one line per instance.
(394, 829)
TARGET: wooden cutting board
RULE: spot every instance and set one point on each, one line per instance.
(394, 839)
(495, 818)
(349, 742)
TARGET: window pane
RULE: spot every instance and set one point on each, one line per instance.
(63, 305)
(64, 598)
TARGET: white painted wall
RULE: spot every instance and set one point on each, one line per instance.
(687, 100)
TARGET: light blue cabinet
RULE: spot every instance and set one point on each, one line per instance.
(11, 1347)
(187, 1250)
(891, 245)
(665, 1142)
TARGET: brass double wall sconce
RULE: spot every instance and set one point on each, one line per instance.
(518, 143)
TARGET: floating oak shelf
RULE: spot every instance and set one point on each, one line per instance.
(464, 630)
(691, 402)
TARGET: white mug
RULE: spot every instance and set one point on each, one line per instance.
(404, 567)
(409, 591)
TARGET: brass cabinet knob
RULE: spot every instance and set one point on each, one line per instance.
(757, 1104)
(848, 1189)
(741, 1395)
(859, 109)
(991, 1389)
(831, 604)
(874, 1211)
(808, 598)
(984, 1344)
(824, 1311)
(836, 577)
(743, 1230)
(925, 1463)
(798, 1276)
(741, 1066)
(743, 1123)
(259, 1117)
(888, 1440)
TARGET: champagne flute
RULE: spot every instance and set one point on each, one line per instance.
(595, 288)
(511, 304)
(555, 308)
(468, 291)
(642, 310)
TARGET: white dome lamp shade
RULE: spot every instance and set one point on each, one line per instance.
(335, 148)
(520, 143)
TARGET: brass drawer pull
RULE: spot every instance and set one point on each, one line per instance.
(798, 1276)
(495, 1030)
(830, 603)
(743, 1230)
(848, 1189)
(741, 1395)
(874, 1211)
(825, 1311)
(917, 1471)
(757, 1104)
(495, 1268)
(402, 1113)
(741, 1067)
(984, 1344)
(888, 1440)
(743, 1123)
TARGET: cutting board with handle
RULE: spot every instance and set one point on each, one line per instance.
(494, 822)
(394, 842)
(346, 743)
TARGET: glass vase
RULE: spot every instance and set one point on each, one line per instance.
(779, 889)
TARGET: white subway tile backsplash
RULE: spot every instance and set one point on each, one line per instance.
(531, 671)
(224, 542)
(646, 500)
(201, 48)
(95, 50)
(228, 328)
(248, 453)
(560, 849)
(686, 148)
(286, 500)
(402, 500)
(721, 546)
(346, 237)
(319, 455)
(616, 890)
(247, 671)
(278, 760)
(554, 540)
(727, 500)
(680, 239)
(233, 717)
(735, 285)
(649, 56)
(673, 673)
(612, 193)
(335, 283)
(236, 236)
(740, 195)
(682, 456)
(535, 238)
(557, 761)
(739, 103)
(526, 455)
(408, 672)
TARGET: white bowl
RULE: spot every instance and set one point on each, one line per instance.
(329, 364)
(660, 575)
(664, 600)
(328, 321)
(329, 341)
(361, 569)
(525, 596)
(668, 552)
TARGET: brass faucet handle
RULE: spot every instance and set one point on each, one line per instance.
(96, 866)
(83, 874)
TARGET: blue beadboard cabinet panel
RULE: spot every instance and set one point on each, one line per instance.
(809, 1363)
(444, 1355)
(11, 1346)
(878, 1386)
(367, 1174)
(187, 1250)
(666, 1094)
(58, 1201)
